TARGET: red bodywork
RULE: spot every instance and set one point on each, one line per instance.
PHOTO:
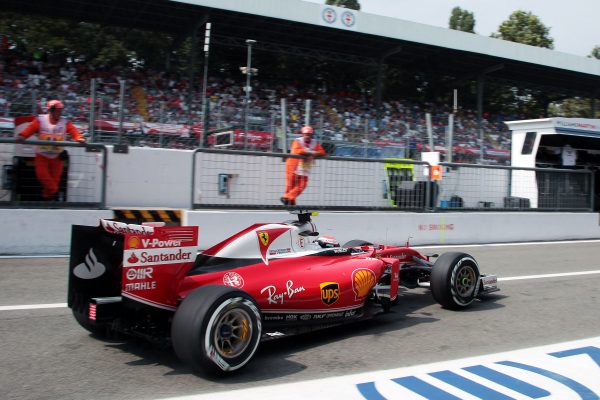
(280, 265)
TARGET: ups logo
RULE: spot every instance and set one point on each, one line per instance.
(330, 292)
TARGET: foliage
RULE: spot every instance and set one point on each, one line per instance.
(462, 20)
(61, 40)
(575, 108)
(595, 52)
(351, 4)
(526, 28)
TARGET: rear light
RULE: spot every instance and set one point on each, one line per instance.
(92, 311)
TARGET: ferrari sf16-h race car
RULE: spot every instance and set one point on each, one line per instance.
(267, 281)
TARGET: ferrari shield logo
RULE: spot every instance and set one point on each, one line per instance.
(264, 237)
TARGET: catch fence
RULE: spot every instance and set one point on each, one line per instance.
(82, 184)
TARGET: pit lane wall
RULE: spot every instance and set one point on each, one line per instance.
(45, 232)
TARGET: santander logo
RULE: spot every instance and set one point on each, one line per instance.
(91, 268)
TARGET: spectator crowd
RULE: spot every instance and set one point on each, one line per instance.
(161, 97)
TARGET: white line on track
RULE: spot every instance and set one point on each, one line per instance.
(561, 275)
(508, 278)
(34, 256)
(33, 306)
(507, 244)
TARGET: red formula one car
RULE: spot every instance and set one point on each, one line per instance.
(267, 281)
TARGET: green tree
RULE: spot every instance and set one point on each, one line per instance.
(595, 52)
(351, 4)
(462, 20)
(526, 28)
(62, 40)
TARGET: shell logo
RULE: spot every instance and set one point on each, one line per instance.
(134, 242)
(362, 282)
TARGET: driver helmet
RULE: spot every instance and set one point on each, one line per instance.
(327, 242)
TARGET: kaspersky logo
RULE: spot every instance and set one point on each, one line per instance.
(91, 268)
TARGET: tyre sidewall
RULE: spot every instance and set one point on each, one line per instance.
(444, 276)
(194, 325)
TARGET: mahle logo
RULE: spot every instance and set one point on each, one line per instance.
(330, 292)
(91, 268)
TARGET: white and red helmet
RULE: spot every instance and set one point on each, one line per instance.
(327, 242)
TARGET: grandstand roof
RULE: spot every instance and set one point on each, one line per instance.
(306, 28)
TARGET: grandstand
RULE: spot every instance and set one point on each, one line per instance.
(354, 122)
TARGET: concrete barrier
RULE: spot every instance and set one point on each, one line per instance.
(30, 232)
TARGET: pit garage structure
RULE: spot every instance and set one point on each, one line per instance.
(563, 143)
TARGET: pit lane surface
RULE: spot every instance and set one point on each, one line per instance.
(45, 355)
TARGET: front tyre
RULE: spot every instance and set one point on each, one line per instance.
(216, 329)
(455, 280)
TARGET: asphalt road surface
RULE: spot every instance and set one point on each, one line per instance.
(44, 354)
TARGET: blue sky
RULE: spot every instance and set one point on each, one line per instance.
(574, 24)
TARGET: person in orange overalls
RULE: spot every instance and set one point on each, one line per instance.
(48, 164)
(298, 169)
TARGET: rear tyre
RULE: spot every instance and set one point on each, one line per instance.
(216, 329)
(455, 280)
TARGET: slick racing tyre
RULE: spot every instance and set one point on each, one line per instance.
(454, 280)
(216, 329)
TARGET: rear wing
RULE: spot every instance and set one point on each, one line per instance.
(139, 262)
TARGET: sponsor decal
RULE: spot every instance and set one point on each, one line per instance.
(157, 243)
(330, 292)
(140, 286)
(141, 273)
(401, 256)
(275, 297)
(159, 256)
(91, 268)
(133, 259)
(263, 236)
(266, 238)
(233, 279)
(279, 251)
(134, 242)
(273, 317)
(301, 241)
(123, 228)
(363, 281)
(350, 313)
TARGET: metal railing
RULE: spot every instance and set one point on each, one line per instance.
(495, 188)
(257, 180)
(234, 179)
